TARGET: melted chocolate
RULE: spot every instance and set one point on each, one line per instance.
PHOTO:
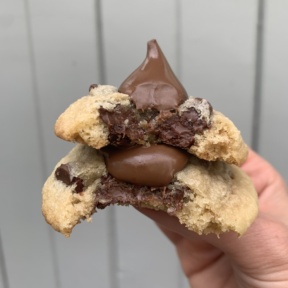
(63, 173)
(180, 130)
(128, 125)
(111, 191)
(153, 118)
(154, 166)
(153, 84)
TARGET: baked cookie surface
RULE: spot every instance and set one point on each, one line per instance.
(62, 206)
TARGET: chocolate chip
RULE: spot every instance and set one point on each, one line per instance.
(79, 184)
(92, 86)
(63, 174)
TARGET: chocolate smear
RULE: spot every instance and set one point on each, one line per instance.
(127, 125)
(112, 191)
(153, 84)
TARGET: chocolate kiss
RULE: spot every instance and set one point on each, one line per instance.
(153, 84)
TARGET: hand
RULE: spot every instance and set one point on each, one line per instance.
(257, 259)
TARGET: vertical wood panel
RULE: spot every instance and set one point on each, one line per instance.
(128, 25)
(146, 259)
(25, 238)
(3, 270)
(217, 45)
(274, 117)
(65, 50)
(218, 55)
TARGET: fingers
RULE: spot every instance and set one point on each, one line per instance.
(195, 255)
(175, 231)
(265, 237)
(265, 244)
(165, 221)
(268, 235)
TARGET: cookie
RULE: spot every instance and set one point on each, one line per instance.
(147, 144)
(206, 197)
(102, 118)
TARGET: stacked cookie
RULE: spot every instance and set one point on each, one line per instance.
(148, 144)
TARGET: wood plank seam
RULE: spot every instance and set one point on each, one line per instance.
(39, 125)
(259, 52)
(178, 69)
(3, 269)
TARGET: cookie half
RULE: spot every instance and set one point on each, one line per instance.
(106, 117)
(206, 197)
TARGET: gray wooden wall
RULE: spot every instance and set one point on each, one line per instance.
(234, 53)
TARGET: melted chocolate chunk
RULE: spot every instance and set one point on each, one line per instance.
(154, 166)
(129, 125)
(180, 130)
(153, 84)
(156, 116)
(111, 191)
(63, 173)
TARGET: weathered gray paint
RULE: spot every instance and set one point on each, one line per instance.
(51, 51)
(274, 117)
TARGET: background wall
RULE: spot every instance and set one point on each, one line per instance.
(233, 53)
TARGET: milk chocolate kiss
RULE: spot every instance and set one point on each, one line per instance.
(153, 84)
(153, 166)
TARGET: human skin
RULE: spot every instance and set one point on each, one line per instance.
(258, 259)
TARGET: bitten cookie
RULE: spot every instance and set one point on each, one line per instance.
(207, 197)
